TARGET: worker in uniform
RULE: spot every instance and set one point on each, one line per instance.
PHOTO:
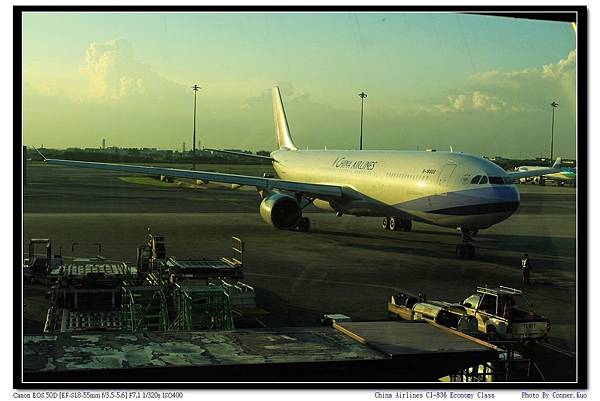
(525, 269)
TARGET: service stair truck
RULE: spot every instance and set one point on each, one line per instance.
(499, 313)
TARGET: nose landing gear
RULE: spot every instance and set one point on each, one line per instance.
(466, 250)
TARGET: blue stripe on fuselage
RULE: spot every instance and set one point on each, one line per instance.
(489, 194)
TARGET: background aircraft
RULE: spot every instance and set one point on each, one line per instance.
(566, 175)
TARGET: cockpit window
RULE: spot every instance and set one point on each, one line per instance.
(484, 179)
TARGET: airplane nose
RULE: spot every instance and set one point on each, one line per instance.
(509, 197)
(516, 196)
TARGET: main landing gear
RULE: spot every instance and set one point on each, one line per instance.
(396, 223)
(304, 224)
(466, 250)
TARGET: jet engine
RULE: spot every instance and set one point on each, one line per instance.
(281, 211)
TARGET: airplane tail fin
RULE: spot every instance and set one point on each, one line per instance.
(557, 163)
(284, 138)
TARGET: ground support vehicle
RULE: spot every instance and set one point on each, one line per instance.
(500, 313)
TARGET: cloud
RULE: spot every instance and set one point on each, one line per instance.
(114, 96)
(458, 102)
(564, 68)
(476, 100)
(114, 73)
(524, 90)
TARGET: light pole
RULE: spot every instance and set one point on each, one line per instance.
(362, 95)
(554, 106)
(195, 88)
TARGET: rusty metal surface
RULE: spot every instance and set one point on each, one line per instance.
(65, 352)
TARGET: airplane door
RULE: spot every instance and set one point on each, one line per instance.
(445, 174)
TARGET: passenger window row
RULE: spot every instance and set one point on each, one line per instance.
(408, 176)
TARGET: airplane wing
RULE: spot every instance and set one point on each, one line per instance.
(321, 191)
(515, 175)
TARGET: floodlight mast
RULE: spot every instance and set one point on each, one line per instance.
(195, 88)
(362, 95)
(554, 106)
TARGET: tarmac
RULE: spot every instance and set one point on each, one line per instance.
(345, 264)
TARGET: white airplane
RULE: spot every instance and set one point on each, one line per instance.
(565, 175)
(447, 189)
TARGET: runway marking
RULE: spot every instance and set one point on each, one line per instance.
(559, 350)
(387, 287)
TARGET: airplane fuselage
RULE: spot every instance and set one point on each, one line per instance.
(438, 188)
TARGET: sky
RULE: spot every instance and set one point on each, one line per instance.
(480, 84)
